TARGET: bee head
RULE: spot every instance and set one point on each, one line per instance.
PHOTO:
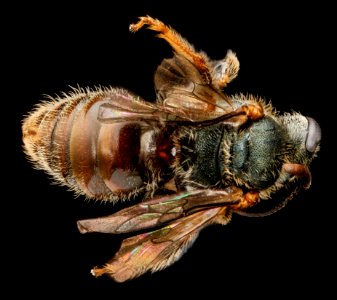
(305, 136)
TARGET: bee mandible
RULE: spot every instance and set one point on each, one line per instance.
(191, 159)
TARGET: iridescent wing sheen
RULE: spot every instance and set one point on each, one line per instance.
(153, 251)
(161, 210)
(181, 216)
(184, 91)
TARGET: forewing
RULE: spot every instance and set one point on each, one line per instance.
(160, 210)
(184, 91)
(158, 249)
(182, 95)
(119, 105)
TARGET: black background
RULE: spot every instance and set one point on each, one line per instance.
(285, 56)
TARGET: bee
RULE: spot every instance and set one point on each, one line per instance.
(191, 159)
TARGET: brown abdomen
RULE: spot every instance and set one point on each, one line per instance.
(103, 160)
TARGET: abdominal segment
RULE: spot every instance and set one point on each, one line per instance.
(103, 160)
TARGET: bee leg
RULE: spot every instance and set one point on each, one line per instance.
(225, 70)
(177, 42)
(299, 171)
(245, 113)
(249, 199)
(253, 112)
(237, 118)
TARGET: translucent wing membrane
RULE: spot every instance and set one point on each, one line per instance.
(187, 212)
(183, 90)
(158, 249)
(160, 210)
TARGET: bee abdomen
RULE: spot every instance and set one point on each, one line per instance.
(66, 139)
(46, 135)
(38, 129)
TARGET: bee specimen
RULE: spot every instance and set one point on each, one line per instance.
(194, 157)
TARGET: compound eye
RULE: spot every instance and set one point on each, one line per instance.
(313, 136)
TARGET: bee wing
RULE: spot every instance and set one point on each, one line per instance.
(119, 105)
(161, 210)
(185, 92)
(158, 249)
